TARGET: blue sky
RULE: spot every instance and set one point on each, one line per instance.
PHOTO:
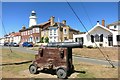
(16, 14)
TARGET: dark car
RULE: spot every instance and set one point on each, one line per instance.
(6, 44)
(27, 44)
(13, 44)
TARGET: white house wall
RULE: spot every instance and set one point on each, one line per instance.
(2, 40)
(96, 30)
(117, 27)
(52, 37)
(99, 31)
(17, 39)
(115, 37)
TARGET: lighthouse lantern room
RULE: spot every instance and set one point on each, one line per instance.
(33, 19)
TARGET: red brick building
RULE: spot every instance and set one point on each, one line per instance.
(33, 33)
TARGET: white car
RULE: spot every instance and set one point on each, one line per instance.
(1, 44)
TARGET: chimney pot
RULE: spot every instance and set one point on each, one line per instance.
(52, 20)
(103, 23)
(97, 21)
(64, 22)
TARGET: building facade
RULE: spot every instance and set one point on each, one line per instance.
(101, 36)
(60, 32)
(12, 37)
(54, 31)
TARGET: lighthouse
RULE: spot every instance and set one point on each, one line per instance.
(33, 19)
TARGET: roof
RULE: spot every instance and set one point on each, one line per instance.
(41, 24)
(13, 34)
(114, 23)
(36, 26)
(74, 29)
(98, 25)
(17, 34)
(61, 24)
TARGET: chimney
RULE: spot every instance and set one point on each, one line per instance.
(23, 27)
(52, 21)
(103, 23)
(64, 22)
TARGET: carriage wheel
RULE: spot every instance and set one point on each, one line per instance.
(61, 73)
(33, 69)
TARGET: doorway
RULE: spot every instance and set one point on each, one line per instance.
(110, 40)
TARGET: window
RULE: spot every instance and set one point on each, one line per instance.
(37, 39)
(54, 37)
(92, 38)
(65, 38)
(37, 30)
(65, 31)
(110, 38)
(97, 38)
(54, 31)
(118, 37)
(23, 33)
(28, 33)
(115, 26)
(33, 30)
(44, 32)
(75, 39)
(50, 31)
(30, 39)
(101, 38)
(50, 37)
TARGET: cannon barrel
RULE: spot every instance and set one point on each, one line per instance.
(66, 44)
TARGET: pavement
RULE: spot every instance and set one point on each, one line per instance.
(75, 57)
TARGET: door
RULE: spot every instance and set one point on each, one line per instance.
(81, 40)
(110, 40)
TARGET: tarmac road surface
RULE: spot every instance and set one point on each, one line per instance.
(76, 58)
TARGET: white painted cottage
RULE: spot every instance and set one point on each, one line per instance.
(100, 35)
(12, 37)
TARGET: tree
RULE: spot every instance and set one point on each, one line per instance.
(46, 40)
(42, 40)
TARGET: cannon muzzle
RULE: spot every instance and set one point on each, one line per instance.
(66, 44)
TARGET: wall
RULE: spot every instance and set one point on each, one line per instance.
(17, 39)
(53, 34)
(99, 31)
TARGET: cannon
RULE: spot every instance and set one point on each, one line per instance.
(55, 56)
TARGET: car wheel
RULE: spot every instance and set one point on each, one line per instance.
(33, 69)
(61, 73)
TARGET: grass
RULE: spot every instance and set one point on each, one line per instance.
(11, 71)
(15, 56)
(95, 52)
(91, 70)
(95, 71)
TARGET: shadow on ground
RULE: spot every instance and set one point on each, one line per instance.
(17, 63)
(53, 72)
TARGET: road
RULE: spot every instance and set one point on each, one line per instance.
(75, 58)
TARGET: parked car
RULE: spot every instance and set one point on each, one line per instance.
(13, 44)
(6, 44)
(27, 44)
(1, 44)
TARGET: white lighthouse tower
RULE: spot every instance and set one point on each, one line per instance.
(32, 18)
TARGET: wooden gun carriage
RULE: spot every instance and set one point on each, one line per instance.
(56, 56)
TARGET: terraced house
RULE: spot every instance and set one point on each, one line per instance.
(49, 30)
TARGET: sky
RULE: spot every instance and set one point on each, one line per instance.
(16, 14)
